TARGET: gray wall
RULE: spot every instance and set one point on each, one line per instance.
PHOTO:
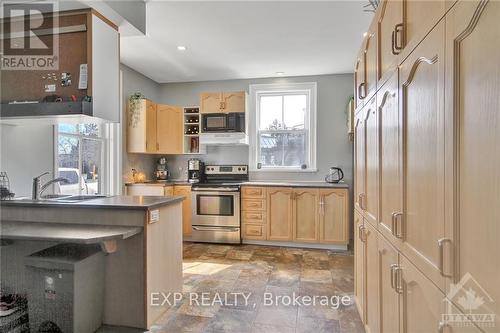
(135, 82)
(334, 148)
(26, 152)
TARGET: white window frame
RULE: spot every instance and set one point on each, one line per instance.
(310, 126)
(109, 136)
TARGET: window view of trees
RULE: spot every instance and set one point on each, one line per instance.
(282, 131)
(80, 158)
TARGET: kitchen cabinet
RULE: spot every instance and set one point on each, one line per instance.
(472, 58)
(422, 104)
(371, 278)
(371, 60)
(422, 305)
(359, 159)
(185, 191)
(370, 199)
(359, 264)
(419, 17)
(149, 189)
(306, 207)
(170, 121)
(220, 102)
(390, 147)
(390, 24)
(295, 214)
(154, 128)
(389, 311)
(279, 213)
(253, 213)
(334, 214)
(359, 80)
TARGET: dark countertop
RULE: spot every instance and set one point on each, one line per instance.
(161, 183)
(60, 232)
(312, 184)
(115, 202)
(295, 184)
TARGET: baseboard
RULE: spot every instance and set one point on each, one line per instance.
(298, 245)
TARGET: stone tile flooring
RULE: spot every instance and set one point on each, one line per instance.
(256, 271)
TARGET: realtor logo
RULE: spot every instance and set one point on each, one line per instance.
(29, 37)
(476, 304)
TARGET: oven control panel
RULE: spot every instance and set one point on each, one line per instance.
(226, 169)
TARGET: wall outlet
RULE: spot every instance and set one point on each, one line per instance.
(50, 88)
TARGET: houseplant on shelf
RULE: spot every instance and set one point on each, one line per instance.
(134, 105)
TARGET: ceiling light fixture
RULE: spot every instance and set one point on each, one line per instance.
(365, 33)
(181, 48)
(280, 73)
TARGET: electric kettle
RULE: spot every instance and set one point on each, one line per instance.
(335, 175)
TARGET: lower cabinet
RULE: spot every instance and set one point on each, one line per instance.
(389, 291)
(185, 191)
(359, 264)
(370, 238)
(295, 214)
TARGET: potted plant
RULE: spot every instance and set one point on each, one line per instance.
(134, 105)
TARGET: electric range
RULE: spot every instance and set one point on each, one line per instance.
(216, 204)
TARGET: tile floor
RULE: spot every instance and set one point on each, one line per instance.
(256, 271)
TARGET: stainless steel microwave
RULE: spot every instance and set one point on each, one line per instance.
(223, 122)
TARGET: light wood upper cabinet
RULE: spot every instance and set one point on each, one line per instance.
(359, 159)
(419, 18)
(390, 24)
(333, 217)
(279, 213)
(371, 61)
(218, 102)
(185, 191)
(370, 204)
(390, 146)
(211, 102)
(234, 101)
(422, 89)
(389, 310)
(359, 80)
(155, 128)
(472, 58)
(169, 129)
(359, 264)
(305, 215)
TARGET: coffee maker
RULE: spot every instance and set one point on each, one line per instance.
(195, 171)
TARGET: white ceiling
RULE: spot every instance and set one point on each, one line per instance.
(240, 39)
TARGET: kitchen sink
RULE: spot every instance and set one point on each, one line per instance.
(54, 196)
(73, 198)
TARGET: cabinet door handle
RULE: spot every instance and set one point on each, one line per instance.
(322, 205)
(442, 326)
(397, 224)
(441, 243)
(363, 234)
(362, 90)
(398, 44)
(398, 274)
(393, 37)
(393, 278)
(360, 233)
(157, 146)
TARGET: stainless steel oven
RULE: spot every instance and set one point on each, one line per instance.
(216, 214)
(216, 204)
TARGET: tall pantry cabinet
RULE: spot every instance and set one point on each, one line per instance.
(427, 170)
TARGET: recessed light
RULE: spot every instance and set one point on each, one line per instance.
(365, 34)
(280, 73)
(181, 48)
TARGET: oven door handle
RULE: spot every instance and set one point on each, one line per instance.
(226, 229)
(212, 190)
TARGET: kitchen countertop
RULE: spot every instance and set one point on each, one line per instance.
(311, 184)
(114, 202)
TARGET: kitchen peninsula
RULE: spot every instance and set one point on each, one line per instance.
(141, 236)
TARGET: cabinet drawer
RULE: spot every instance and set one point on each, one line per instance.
(254, 231)
(253, 192)
(251, 204)
(253, 216)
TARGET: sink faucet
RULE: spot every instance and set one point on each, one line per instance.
(38, 189)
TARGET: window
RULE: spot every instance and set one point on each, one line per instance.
(80, 158)
(283, 127)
